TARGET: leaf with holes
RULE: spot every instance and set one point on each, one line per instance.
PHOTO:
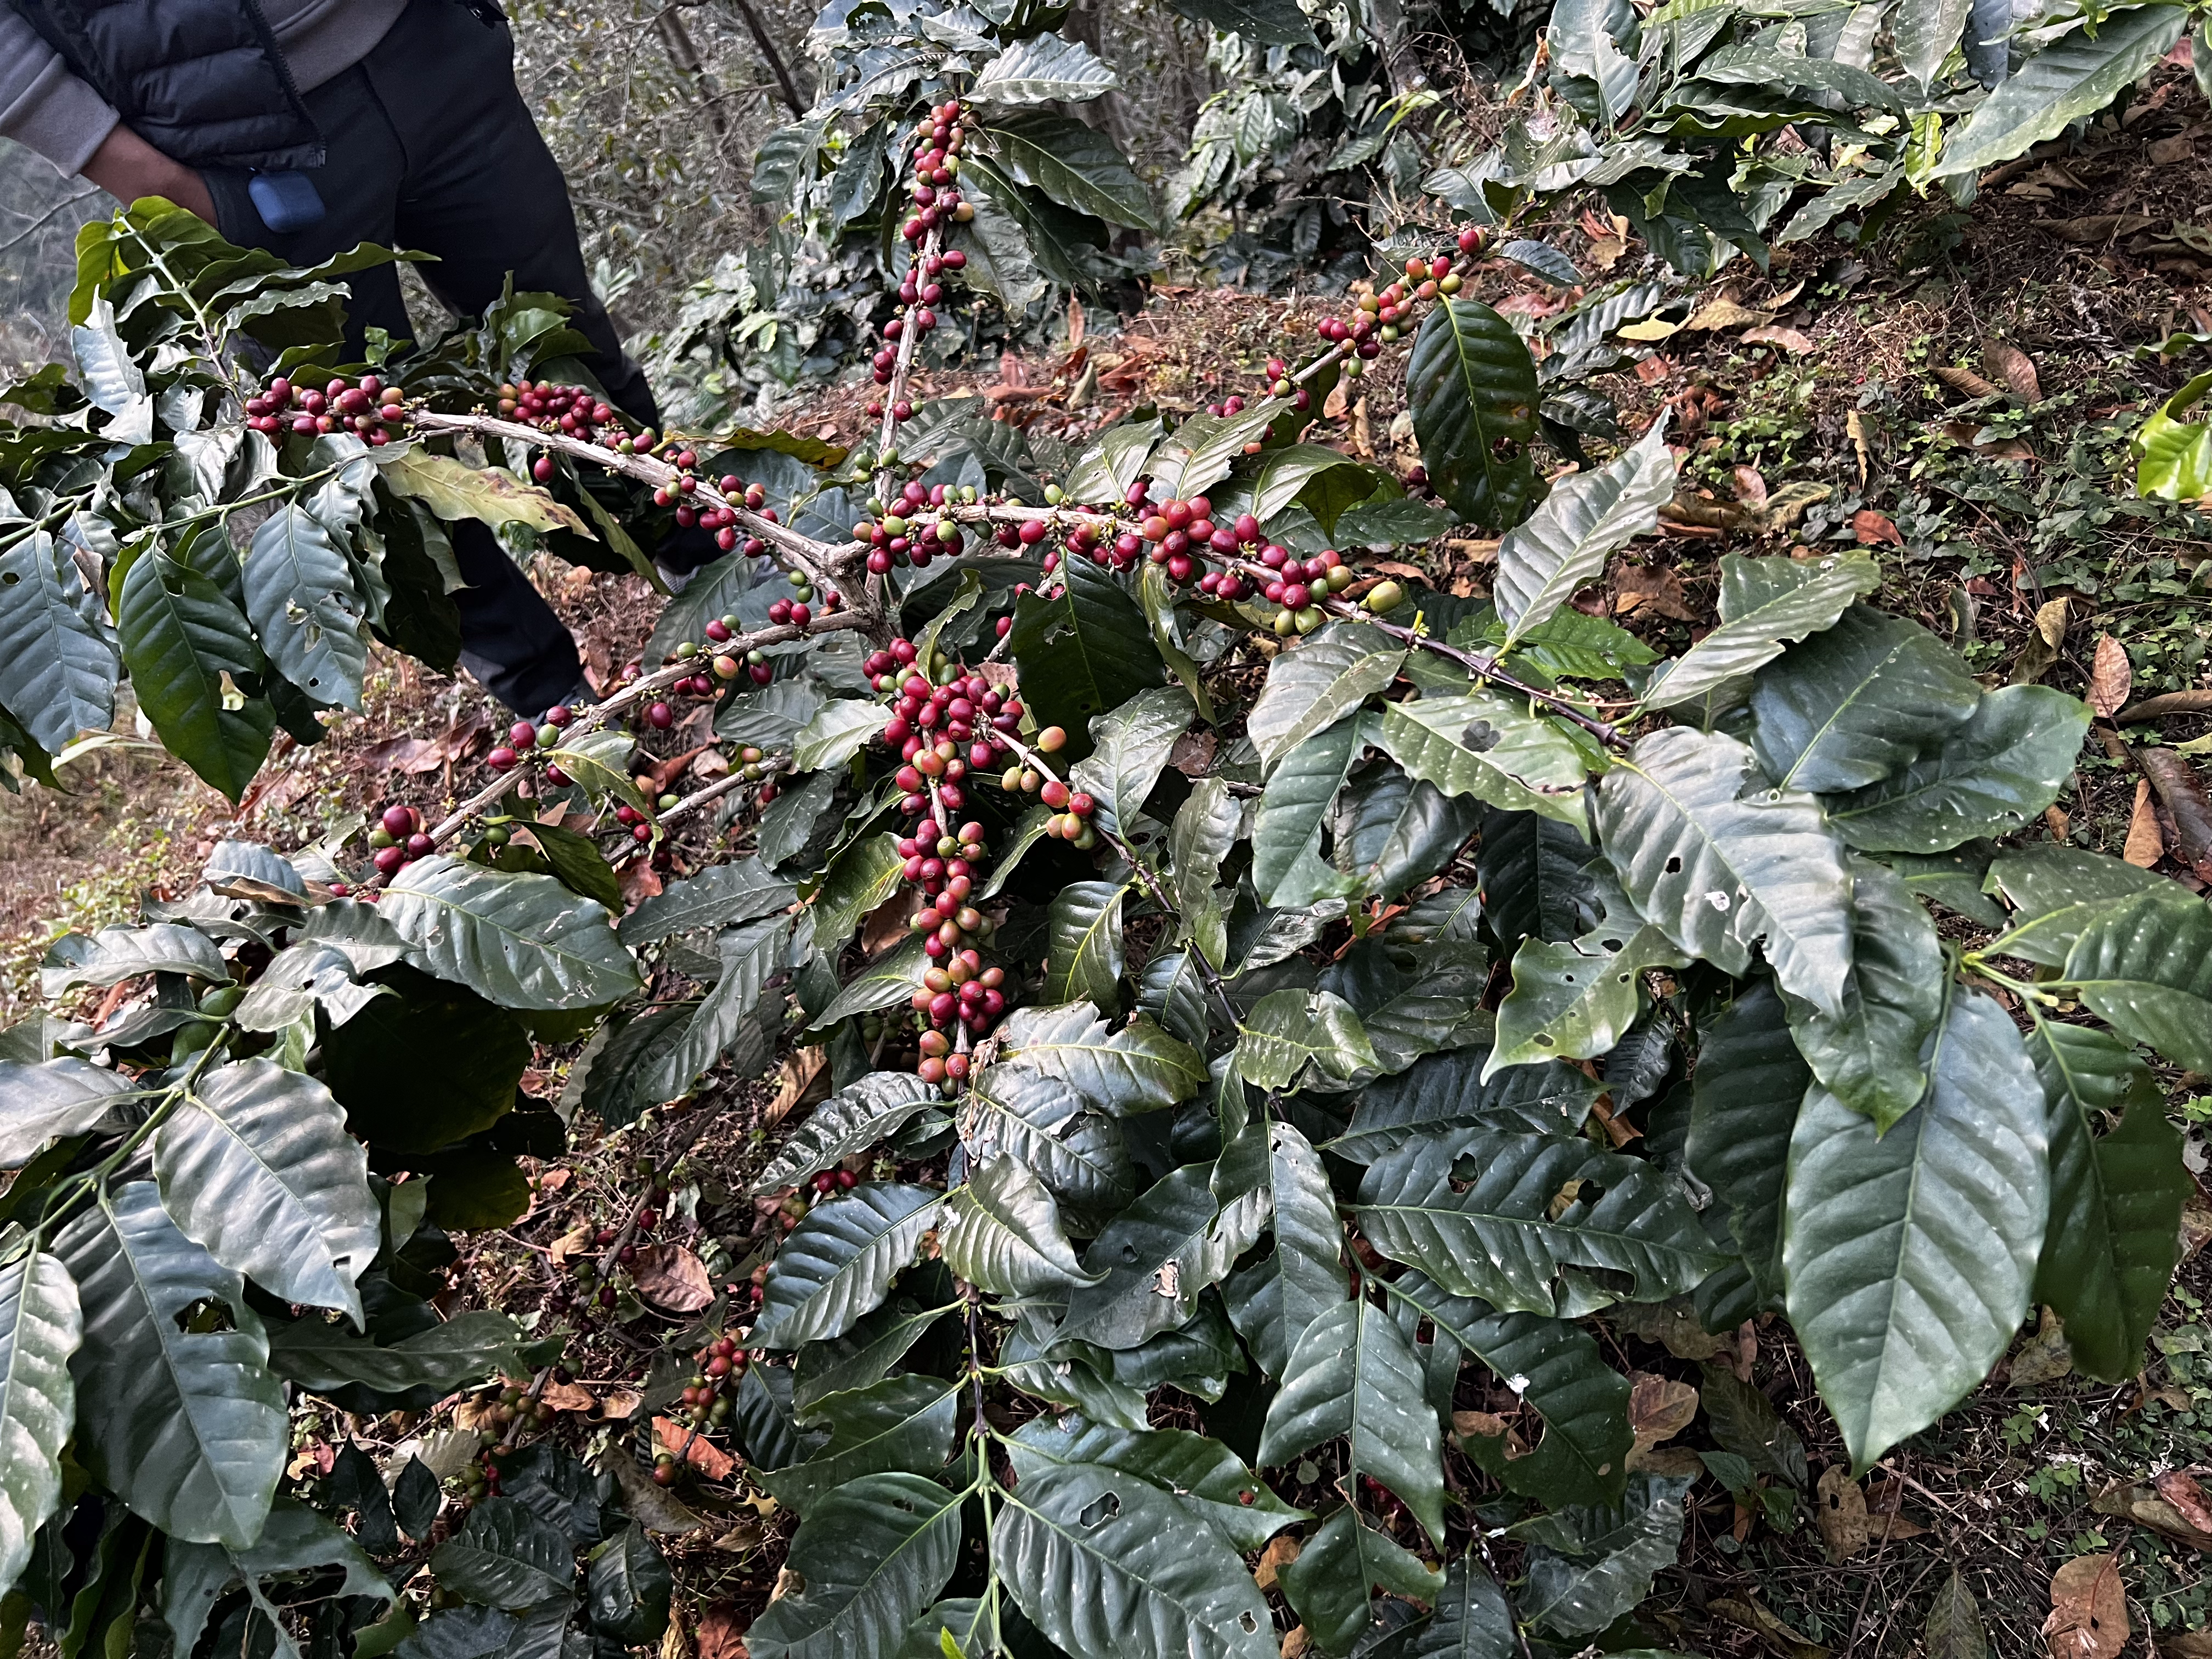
(1574, 1001)
(1908, 1255)
(305, 606)
(1103, 1562)
(1718, 871)
(1288, 1031)
(1488, 747)
(838, 1262)
(1149, 1263)
(871, 1556)
(1354, 1374)
(256, 1165)
(1205, 1476)
(1473, 1209)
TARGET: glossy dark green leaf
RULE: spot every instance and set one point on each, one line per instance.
(1313, 685)
(1590, 1565)
(1138, 1068)
(1473, 1621)
(1908, 1255)
(505, 1557)
(2075, 76)
(1002, 1229)
(2147, 968)
(423, 1069)
(1867, 1053)
(319, 1356)
(1718, 870)
(117, 953)
(1745, 1422)
(1287, 868)
(864, 1355)
(58, 669)
(1078, 1153)
(1150, 1262)
(838, 1263)
(2056, 890)
(1991, 773)
(1084, 954)
(629, 1584)
(305, 606)
(869, 1109)
(42, 1102)
(2116, 1198)
(180, 634)
(1110, 1567)
(1493, 1229)
(41, 1326)
(1854, 704)
(1489, 747)
(1587, 518)
(1473, 389)
(1354, 1374)
(1765, 604)
(1535, 879)
(901, 1423)
(893, 978)
(187, 1426)
(1749, 1083)
(1290, 1030)
(1557, 1369)
(872, 1555)
(1274, 1166)
(1444, 1092)
(1575, 1001)
(1076, 166)
(1337, 1571)
(523, 941)
(1271, 22)
(256, 1165)
(1130, 749)
(1203, 1476)
(739, 1019)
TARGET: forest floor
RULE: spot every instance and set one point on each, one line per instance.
(1957, 393)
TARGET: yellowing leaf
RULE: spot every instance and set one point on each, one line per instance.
(492, 495)
(1652, 328)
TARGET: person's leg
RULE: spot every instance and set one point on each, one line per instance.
(482, 190)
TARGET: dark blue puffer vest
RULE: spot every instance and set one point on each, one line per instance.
(202, 80)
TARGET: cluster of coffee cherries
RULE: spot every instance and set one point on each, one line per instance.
(399, 838)
(913, 528)
(682, 492)
(367, 408)
(573, 410)
(595, 1278)
(710, 1393)
(523, 735)
(1382, 317)
(1231, 404)
(510, 1403)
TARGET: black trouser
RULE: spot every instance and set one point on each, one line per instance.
(432, 149)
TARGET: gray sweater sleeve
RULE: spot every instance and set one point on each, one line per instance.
(42, 106)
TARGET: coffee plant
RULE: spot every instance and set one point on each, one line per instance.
(1268, 1004)
(1719, 129)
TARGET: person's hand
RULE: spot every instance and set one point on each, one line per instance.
(127, 167)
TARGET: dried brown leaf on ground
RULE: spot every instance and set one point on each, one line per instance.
(2014, 367)
(795, 1081)
(721, 1632)
(1659, 1408)
(697, 1450)
(1750, 488)
(1789, 339)
(2147, 1507)
(2185, 1645)
(2041, 652)
(1869, 527)
(2088, 1609)
(1954, 1622)
(2111, 677)
(1724, 312)
(2180, 1488)
(1281, 1551)
(1673, 1325)
(650, 1505)
(569, 1397)
(1841, 1510)
(1747, 1614)
(2196, 702)
(2182, 791)
(2043, 1358)
(668, 1276)
(1965, 380)
(2146, 843)
(1649, 590)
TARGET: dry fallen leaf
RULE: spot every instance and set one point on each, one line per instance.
(2188, 804)
(1296, 1643)
(1338, 404)
(1725, 312)
(1652, 328)
(2041, 651)
(2014, 367)
(2146, 843)
(2147, 1507)
(1659, 1408)
(2045, 1357)
(795, 1080)
(569, 1244)
(2088, 1609)
(721, 1629)
(1965, 380)
(2100, 227)
(700, 1452)
(1841, 1511)
(1743, 1612)
(2110, 678)
(668, 1276)
(1750, 488)
(1787, 338)
(1648, 589)
(2167, 151)
(1869, 527)
(651, 1506)
(2180, 1488)
(568, 1397)
(1281, 1551)
(619, 1404)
